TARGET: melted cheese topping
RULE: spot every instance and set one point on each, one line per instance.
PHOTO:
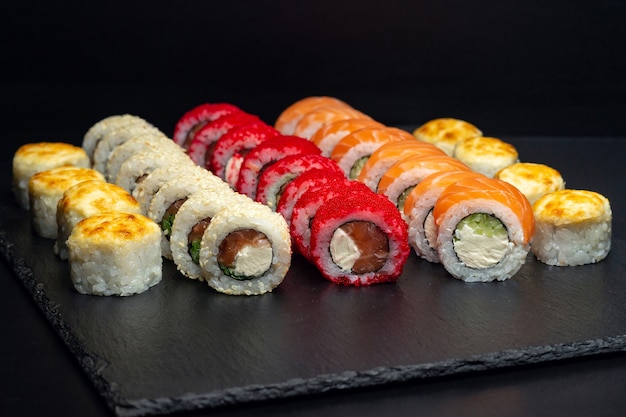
(94, 197)
(572, 206)
(533, 180)
(115, 227)
(57, 180)
(34, 157)
(446, 132)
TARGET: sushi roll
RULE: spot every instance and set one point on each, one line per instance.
(353, 151)
(233, 145)
(532, 179)
(115, 254)
(200, 149)
(289, 118)
(300, 185)
(484, 229)
(99, 129)
(87, 199)
(196, 118)
(388, 154)
(245, 250)
(46, 188)
(327, 137)
(137, 145)
(486, 155)
(404, 175)
(189, 225)
(321, 116)
(446, 132)
(116, 137)
(573, 228)
(359, 239)
(173, 193)
(32, 158)
(418, 211)
(268, 152)
(277, 176)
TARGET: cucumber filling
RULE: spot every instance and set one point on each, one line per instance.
(402, 198)
(481, 240)
(357, 167)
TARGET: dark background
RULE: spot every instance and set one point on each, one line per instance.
(514, 67)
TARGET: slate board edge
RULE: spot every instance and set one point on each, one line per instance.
(92, 365)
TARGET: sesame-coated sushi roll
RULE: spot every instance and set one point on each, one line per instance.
(245, 250)
(404, 175)
(418, 211)
(233, 145)
(46, 188)
(532, 179)
(359, 240)
(36, 157)
(267, 153)
(115, 253)
(172, 194)
(486, 155)
(196, 118)
(275, 178)
(388, 154)
(573, 228)
(200, 149)
(484, 229)
(191, 221)
(87, 199)
(321, 116)
(353, 151)
(296, 188)
(329, 135)
(446, 132)
(289, 118)
(98, 130)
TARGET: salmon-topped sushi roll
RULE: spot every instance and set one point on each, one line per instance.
(327, 137)
(404, 175)
(388, 154)
(446, 132)
(484, 229)
(321, 116)
(196, 118)
(289, 118)
(353, 151)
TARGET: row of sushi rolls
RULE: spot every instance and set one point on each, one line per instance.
(230, 199)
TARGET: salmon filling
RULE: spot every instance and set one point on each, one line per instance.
(191, 134)
(359, 247)
(168, 217)
(245, 254)
(195, 238)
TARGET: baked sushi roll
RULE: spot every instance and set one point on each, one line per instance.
(329, 135)
(484, 229)
(87, 199)
(196, 118)
(359, 240)
(418, 211)
(446, 132)
(99, 129)
(573, 228)
(46, 188)
(532, 179)
(289, 117)
(245, 250)
(268, 152)
(190, 222)
(486, 155)
(114, 253)
(32, 158)
(233, 145)
(278, 175)
(322, 116)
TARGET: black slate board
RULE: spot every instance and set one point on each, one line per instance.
(181, 346)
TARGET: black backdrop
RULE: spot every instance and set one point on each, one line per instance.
(513, 67)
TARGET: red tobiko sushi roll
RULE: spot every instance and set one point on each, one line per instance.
(267, 153)
(275, 178)
(305, 209)
(296, 188)
(230, 149)
(196, 118)
(201, 147)
(359, 239)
